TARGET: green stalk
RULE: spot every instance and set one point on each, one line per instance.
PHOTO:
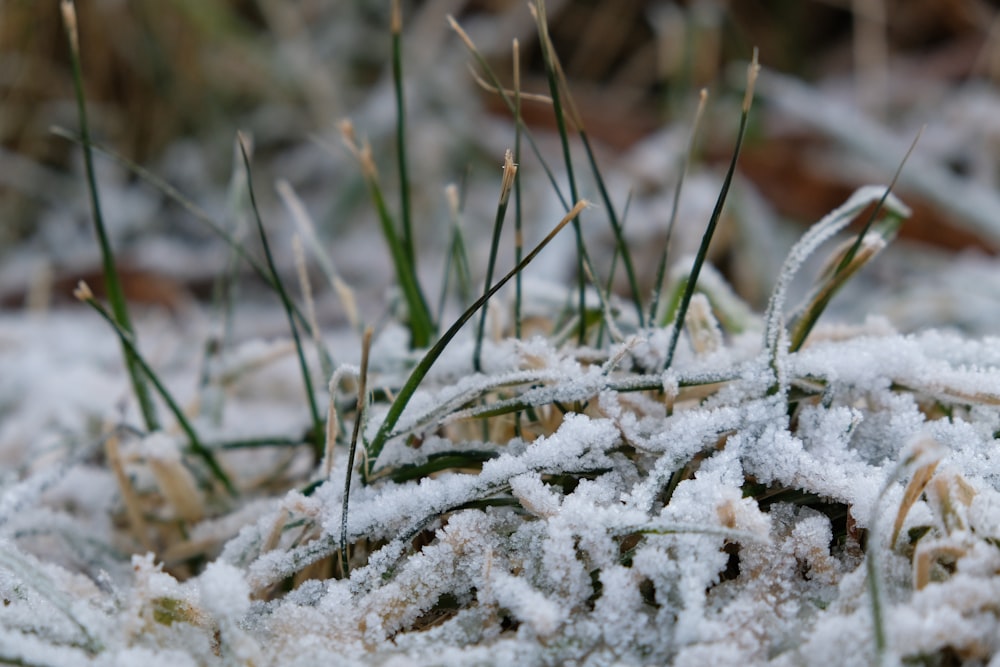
(396, 27)
(661, 268)
(549, 58)
(878, 207)
(609, 284)
(420, 371)
(112, 282)
(507, 184)
(421, 321)
(804, 324)
(316, 437)
(706, 239)
(84, 294)
(616, 225)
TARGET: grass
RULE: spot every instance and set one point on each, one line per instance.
(551, 484)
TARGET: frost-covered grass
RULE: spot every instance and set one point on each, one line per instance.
(706, 486)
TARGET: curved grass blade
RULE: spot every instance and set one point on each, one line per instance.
(84, 294)
(881, 234)
(851, 262)
(832, 222)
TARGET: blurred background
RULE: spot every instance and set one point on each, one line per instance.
(847, 85)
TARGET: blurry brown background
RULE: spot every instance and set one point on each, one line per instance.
(157, 72)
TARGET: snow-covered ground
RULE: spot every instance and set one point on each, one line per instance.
(751, 504)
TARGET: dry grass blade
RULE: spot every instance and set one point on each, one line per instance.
(366, 344)
(912, 493)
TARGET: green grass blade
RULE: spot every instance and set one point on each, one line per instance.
(706, 239)
(661, 268)
(617, 226)
(850, 263)
(113, 285)
(548, 56)
(316, 437)
(506, 185)
(417, 375)
(468, 459)
(457, 258)
(84, 294)
(883, 232)
(396, 28)
(609, 283)
(420, 319)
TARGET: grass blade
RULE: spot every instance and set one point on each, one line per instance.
(366, 345)
(497, 87)
(457, 256)
(396, 27)
(83, 293)
(548, 56)
(113, 285)
(850, 263)
(316, 437)
(661, 268)
(752, 70)
(518, 222)
(506, 185)
(417, 375)
(880, 236)
(421, 322)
